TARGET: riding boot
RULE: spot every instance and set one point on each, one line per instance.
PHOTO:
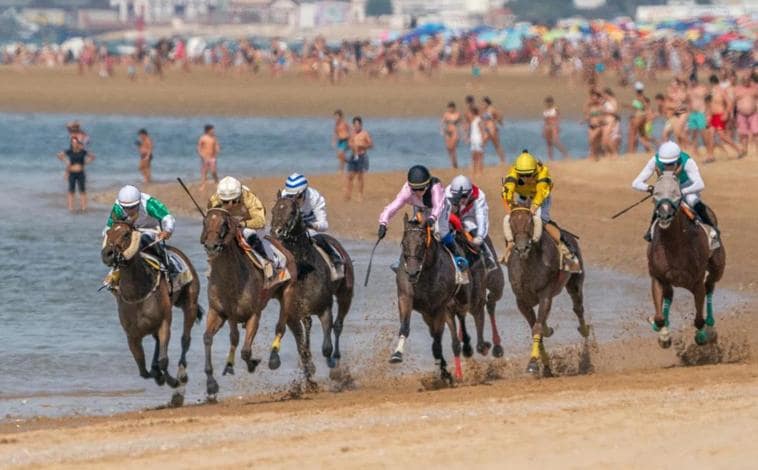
(570, 261)
(702, 211)
(162, 254)
(333, 255)
(257, 245)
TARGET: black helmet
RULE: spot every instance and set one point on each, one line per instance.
(418, 177)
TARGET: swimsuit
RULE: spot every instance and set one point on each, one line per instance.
(717, 121)
(78, 178)
(358, 163)
(747, 125)
(342, 144)
(696, 121)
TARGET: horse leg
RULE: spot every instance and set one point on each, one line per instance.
(234, 340)
(164, 336)
(482, 346)
(286, 305)
(135, 346)
(662, 298)
(155, 370)
(213, 324)
(463, 335)
(405, 307)
(326, 347)
(710, 321)
(343, 306)
(190, 310)
(251, 328)
(456, 344)
(574, 289)
(538, 330)
(307, 325)
(701, 335)
(305, 354)
(497, 351)
(436, 328)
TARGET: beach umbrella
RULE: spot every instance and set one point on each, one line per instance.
(740, 45)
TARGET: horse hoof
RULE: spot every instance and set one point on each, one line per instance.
(584, 330)
(533, 367)
(712, 335)
(309, 370)
(273, 361)
(182, 376)
(446, 377)
(160, 380)
(330, 362)
(211, 398)
(171, 382)
(468, 351)
(252, 364)
(701, 337)
(664, 343)
(396, 358)
(229, 369)
(212, 387)
(483, 348)
(548, 331)
(497, 351)
(177, 400)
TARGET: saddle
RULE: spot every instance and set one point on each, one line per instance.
(336, 272)
(275, 271)
(180, 275)
(461, 277)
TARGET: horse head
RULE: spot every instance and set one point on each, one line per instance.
(667, 195)
(219, 229)
(286, 218)
(120, 244)
(416, 240)
(524, 228)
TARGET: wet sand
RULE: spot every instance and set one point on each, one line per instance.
(516, 92)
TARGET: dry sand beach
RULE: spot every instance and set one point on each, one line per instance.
(639, 407)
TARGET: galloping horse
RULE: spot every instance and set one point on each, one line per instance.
(315, 290)
(426, 283)
(679, 255)
(144, 303)
(237, 293)
(535, 277)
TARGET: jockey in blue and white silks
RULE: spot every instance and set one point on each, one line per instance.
(312, 203)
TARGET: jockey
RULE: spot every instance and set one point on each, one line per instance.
(671, 157)
(426, 195)
(144, 212)
(313, 210)
(241, 203)
(469, 213)
(528, 182)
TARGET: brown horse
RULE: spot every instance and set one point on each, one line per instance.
(144, 303)
(237, 294)
(535, 277)
(679, 255)
(495, 283)
(426, 283)
(315, 290)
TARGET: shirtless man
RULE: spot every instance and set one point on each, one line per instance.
(145, 146)
(746, 96)
(208, 148)
(341, 138)
(719, 115)
(676, 99)
(697, 122)
(357, 165)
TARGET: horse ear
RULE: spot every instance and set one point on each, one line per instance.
(278, 194)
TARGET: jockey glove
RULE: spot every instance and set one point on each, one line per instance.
(382, 231)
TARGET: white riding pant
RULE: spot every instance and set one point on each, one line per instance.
(270, 255)
(543, 211)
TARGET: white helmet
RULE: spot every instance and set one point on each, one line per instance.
(129, 196)
(669, 152)
(295, 185)
(460, 186)
(229, 188)
(639, 86)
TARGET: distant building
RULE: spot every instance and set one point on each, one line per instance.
(162, 11)
(589, 4)
(685, 9)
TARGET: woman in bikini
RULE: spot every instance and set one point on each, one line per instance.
(638, 120)
(611, 134)
(75, 158)
(449, 129)
(551, 128)
(593, 115)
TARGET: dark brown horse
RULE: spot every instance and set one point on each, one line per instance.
(495, 283)
(315, 289)
(426, 283)
(535, 277)
(237, 294)
(679, 255)
(144, 303)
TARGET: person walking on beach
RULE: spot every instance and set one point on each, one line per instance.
(208, 149)
(551, 128)
(341, 138)
(477, 139)
(360, 142)
(145, 146)
(746, 96)
(449, 129)
(719, 115)
(76, 157)
(492, 119)
(696, 121)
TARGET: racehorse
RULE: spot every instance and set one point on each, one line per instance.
(314, 287)
(145, 300)
(237, 293)
(679, 255)
(536, 277)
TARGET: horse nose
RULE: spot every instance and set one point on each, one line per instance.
(107, 256)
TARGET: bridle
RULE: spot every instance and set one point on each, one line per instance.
(428, 242)
(222, 232)
(293, 222)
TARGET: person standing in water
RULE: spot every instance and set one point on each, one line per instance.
(208, 149)
(341, 138)
(360, 142)
(492, 119)
(449, 129)
(145, 146)
(551, 128)
(76, 157)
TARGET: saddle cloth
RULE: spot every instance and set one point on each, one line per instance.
(335, 273)
(279, 262)
(183, 274)
(461, 278)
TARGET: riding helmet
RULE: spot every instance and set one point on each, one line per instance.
(229, 189)
(418, 177)
(129, 196)
(526, 164)
(460, 187)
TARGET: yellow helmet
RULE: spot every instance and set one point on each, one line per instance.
(526, 164)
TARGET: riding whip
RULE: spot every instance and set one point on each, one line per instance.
(633, 206)
(190, 196)
(371, 260)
